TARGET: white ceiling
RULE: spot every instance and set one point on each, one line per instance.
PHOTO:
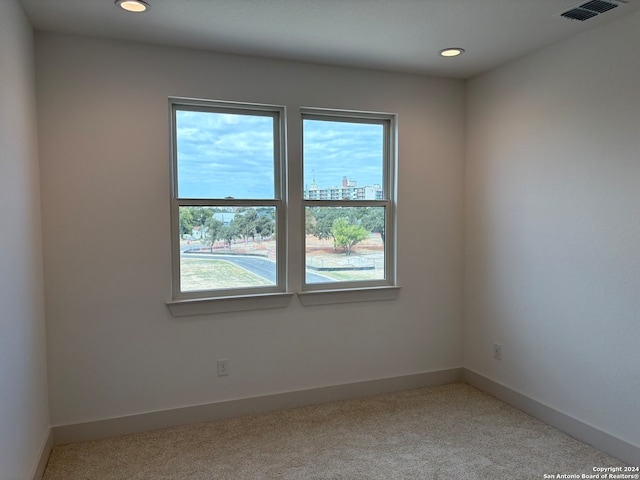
(398, 35)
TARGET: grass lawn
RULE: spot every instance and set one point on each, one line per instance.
(203, 274)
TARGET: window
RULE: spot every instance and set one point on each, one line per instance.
(348, 165)
(227, 199)
(230, 243)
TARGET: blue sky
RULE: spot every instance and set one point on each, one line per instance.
(224, 155)
(227, 155)
(333, 150)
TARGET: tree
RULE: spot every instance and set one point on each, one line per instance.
(246, 223)
(213, 231)
(347, 234)
(199, 217)
(265, 226)
(228, 233)
(320, 220)
(186, 221)
(310, 222)
(373, 220)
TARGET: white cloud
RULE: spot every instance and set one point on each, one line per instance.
(224, 155)
(229, 155)
(333, 150)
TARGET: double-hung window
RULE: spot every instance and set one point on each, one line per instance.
(349, 179)
(231, 237)
(227, 207)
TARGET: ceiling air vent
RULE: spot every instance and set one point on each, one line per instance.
(588, 10)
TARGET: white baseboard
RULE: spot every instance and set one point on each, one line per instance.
(43, 456)
(582, 431)
(114, 427)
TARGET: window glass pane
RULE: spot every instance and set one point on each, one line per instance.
(343, 160)
(227, 247)
(221, 155)
(344, 244)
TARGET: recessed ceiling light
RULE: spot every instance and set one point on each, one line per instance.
(136, 6)
(451, 52)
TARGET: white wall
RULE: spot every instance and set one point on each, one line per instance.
(24, 421)
(114, 349)
(552, 227)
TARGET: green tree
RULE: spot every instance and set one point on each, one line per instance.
(199, 216)
(265, 225)
(372, 218)
(347, 235)
(245, 223)
(228, 233)
(213, 231)
(310, 222)
(320, 220)
(187, 221)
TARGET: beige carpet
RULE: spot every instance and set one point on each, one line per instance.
(447, 432)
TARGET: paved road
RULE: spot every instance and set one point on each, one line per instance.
(260, 266)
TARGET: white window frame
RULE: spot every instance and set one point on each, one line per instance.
(279, 296)
(383, 289)
(224, 300)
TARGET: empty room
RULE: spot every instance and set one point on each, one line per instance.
(315, 239)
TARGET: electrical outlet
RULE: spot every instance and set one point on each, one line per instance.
(223, 367)
(497, 351)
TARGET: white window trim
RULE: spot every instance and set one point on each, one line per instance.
(389, 122)
(279, 202)
(213, 302)
(348, 295)
(236, 303)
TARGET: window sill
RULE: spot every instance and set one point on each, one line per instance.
(204, 306)
(208, 306)
(327, 297)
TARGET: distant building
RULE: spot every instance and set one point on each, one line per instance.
(348, 191)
